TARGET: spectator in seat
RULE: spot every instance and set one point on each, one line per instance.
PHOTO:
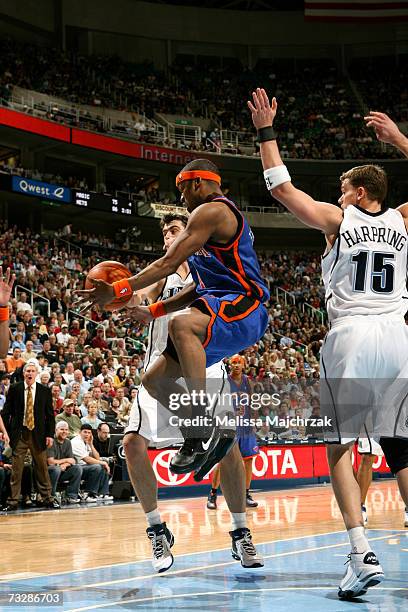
(101, 442)
(29, 352)
(124, 406)
(67, 415)
(99, 341)
(92, 417)
(63, 336)
(23, 306)
(79, 378)
(62, 464)
(103, 405)
(57, 400)
(119, 380)
(95, 471)
(14, 361)
(69, 373)
(104, 374)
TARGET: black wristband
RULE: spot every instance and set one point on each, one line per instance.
(266, 133)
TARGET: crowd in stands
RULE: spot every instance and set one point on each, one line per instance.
(94, 366)
(320, 115)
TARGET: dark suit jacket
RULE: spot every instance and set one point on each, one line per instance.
(13, 414)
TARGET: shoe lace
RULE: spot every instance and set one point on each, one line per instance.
(247, 545)
(157, 545)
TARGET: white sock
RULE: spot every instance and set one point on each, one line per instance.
(238, 520)
(358, 540)
(153, 517)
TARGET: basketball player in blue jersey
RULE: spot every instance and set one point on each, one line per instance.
(364, 271)
(240, 387)
(225, 314)
(148, 426)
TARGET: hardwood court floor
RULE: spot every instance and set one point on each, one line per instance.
(84, 537)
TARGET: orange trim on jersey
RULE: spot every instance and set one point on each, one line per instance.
(241, 269)
(239, 317)
(189, 175)
(208, 335)
(228, 246)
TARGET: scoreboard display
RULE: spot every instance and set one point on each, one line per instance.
(117, 205)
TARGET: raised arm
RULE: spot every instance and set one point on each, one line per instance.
(387, 131)
(319, 215)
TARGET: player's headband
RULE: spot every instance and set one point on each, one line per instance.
(189, 175)
(238, 359)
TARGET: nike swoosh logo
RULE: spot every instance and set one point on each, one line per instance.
(206, 445)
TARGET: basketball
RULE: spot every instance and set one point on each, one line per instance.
(109, 271)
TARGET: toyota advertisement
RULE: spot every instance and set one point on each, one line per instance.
(272, 463)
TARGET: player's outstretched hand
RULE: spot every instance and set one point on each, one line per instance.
(137, 313)
(263, 112)
(6, 285)
(385, 128)
(100, 295)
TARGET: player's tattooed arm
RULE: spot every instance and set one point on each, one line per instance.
(319, 215)
(387, 131)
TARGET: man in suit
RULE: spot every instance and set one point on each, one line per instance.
(28, 417)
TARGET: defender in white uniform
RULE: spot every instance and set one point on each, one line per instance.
(365, 273)
(147, 417)
(148, 425)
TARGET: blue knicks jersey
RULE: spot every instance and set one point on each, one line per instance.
(219, 269)
(242, 408)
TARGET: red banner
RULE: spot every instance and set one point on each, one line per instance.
(100, 142)
(132, 149)
(27, 123)
(272, 463)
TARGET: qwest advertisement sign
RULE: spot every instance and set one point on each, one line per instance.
(40, 189)
(272, 463)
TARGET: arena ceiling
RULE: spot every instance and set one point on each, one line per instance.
(240, 5)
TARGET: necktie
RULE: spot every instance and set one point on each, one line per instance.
(29, 414)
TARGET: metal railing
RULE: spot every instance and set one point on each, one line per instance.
(70, 245)
(32, 294)
(86, 319)
(286, 295)
(315, 312)
(294, 341)
(264, 210)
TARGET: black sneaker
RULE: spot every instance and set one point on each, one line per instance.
(223, 446)
(212, 501)
(243, 549)
(162, 540)
(250, 502)
(194, 453)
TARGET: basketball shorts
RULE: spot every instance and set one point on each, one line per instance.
(150, 419)
(236, 323)
(396, 453)
(248, 445)
(363, 378)
(368, 446)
